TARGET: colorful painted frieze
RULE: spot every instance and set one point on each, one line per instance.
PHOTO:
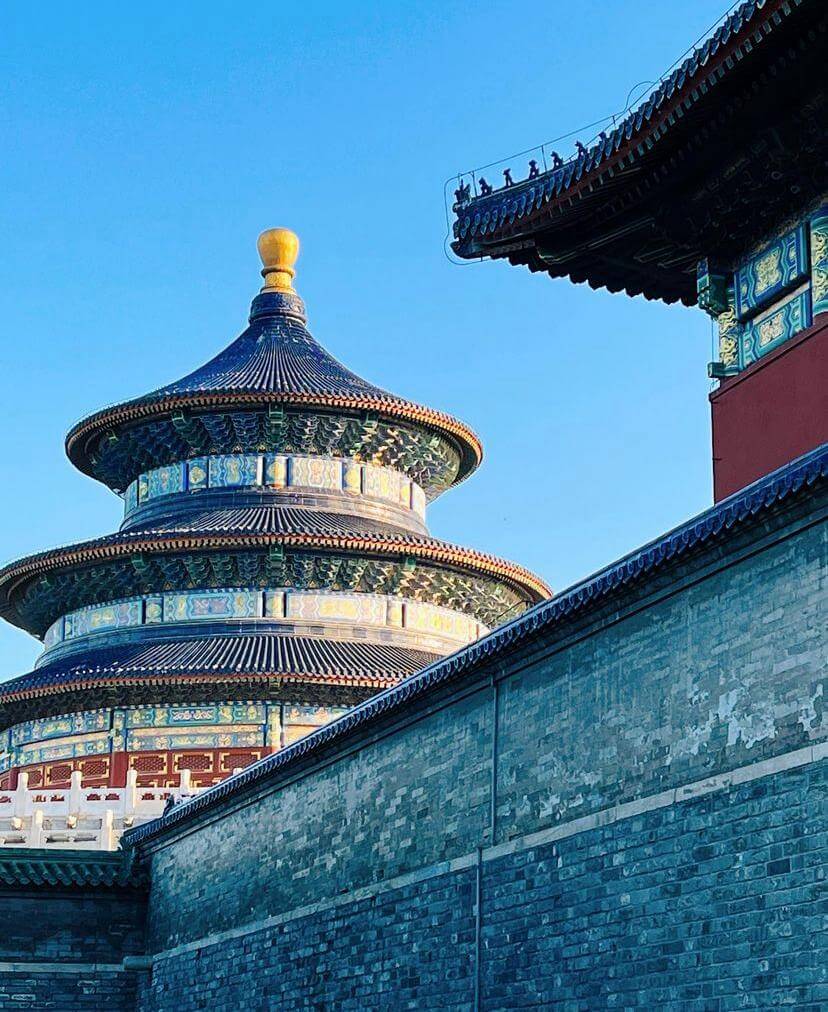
(131, 497)
(197, 474)
(430, 618)
(776, 325)
(276, 470)
(44, 728)
(819, 262)
(210, 737)
(767, 275)
(69, 748)
(315, 472)
(165, 481)
(100, 618)
(363, 608)
(187, 716)
(234, 470)
(196, 605)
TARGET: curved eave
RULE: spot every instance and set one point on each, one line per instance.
(260, 666)
(88, 430)
(507, 223)
(167, 679)
(15, 575)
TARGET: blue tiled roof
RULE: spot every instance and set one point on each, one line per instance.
(275, 354)
(239, 655)
(484, 216)
(274, 361)
(22, 868)
(723, 518)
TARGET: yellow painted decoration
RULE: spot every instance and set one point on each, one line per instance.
(278, 248)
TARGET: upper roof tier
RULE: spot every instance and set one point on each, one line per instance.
(701, 169)
(274, 388)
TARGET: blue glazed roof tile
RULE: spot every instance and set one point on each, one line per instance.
(250, 655)
(69, 869)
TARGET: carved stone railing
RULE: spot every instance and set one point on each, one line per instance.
(82, 818)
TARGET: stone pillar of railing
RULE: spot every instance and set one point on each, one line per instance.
(106, 836)
(130, 796)
(21, 795)
(185, 789)
(75, 798)
(34, 837)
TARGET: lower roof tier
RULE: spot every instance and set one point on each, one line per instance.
(269, 547)
(259, 666)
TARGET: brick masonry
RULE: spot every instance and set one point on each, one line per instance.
(64, 949)
(352, 882)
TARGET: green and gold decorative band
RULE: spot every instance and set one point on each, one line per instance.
(819, 262)
(431, 627)
(230, 724)
(277, 471)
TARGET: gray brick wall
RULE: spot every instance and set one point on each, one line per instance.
(63, 950)
(334, 886)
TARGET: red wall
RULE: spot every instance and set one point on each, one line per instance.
(773, 412)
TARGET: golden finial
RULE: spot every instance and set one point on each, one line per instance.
(278, 248)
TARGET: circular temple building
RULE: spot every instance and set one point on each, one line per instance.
(273, 567)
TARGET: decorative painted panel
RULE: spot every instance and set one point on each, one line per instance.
(208, 737)
(131, 497)
(67, 748)
(121, 615)
(771, 328)
(779, 266)
(197, 474)
(366, 608)
(729, 333)
(819, 261)
(153, 609)
(234, 470)
(315, 472)
(352, 477)
(54, 634)
(275, 470)
(193, 715)
(165, 481)
(395, 612)
(383, 483)
(211, 604)
(314, 716)
(274, 604)
(44, 728)
(429, 618)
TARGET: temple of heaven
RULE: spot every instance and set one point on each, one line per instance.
(273, 567)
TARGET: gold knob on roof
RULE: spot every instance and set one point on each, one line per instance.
(278, 248)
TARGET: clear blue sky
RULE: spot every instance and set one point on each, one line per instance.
(147, 145)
